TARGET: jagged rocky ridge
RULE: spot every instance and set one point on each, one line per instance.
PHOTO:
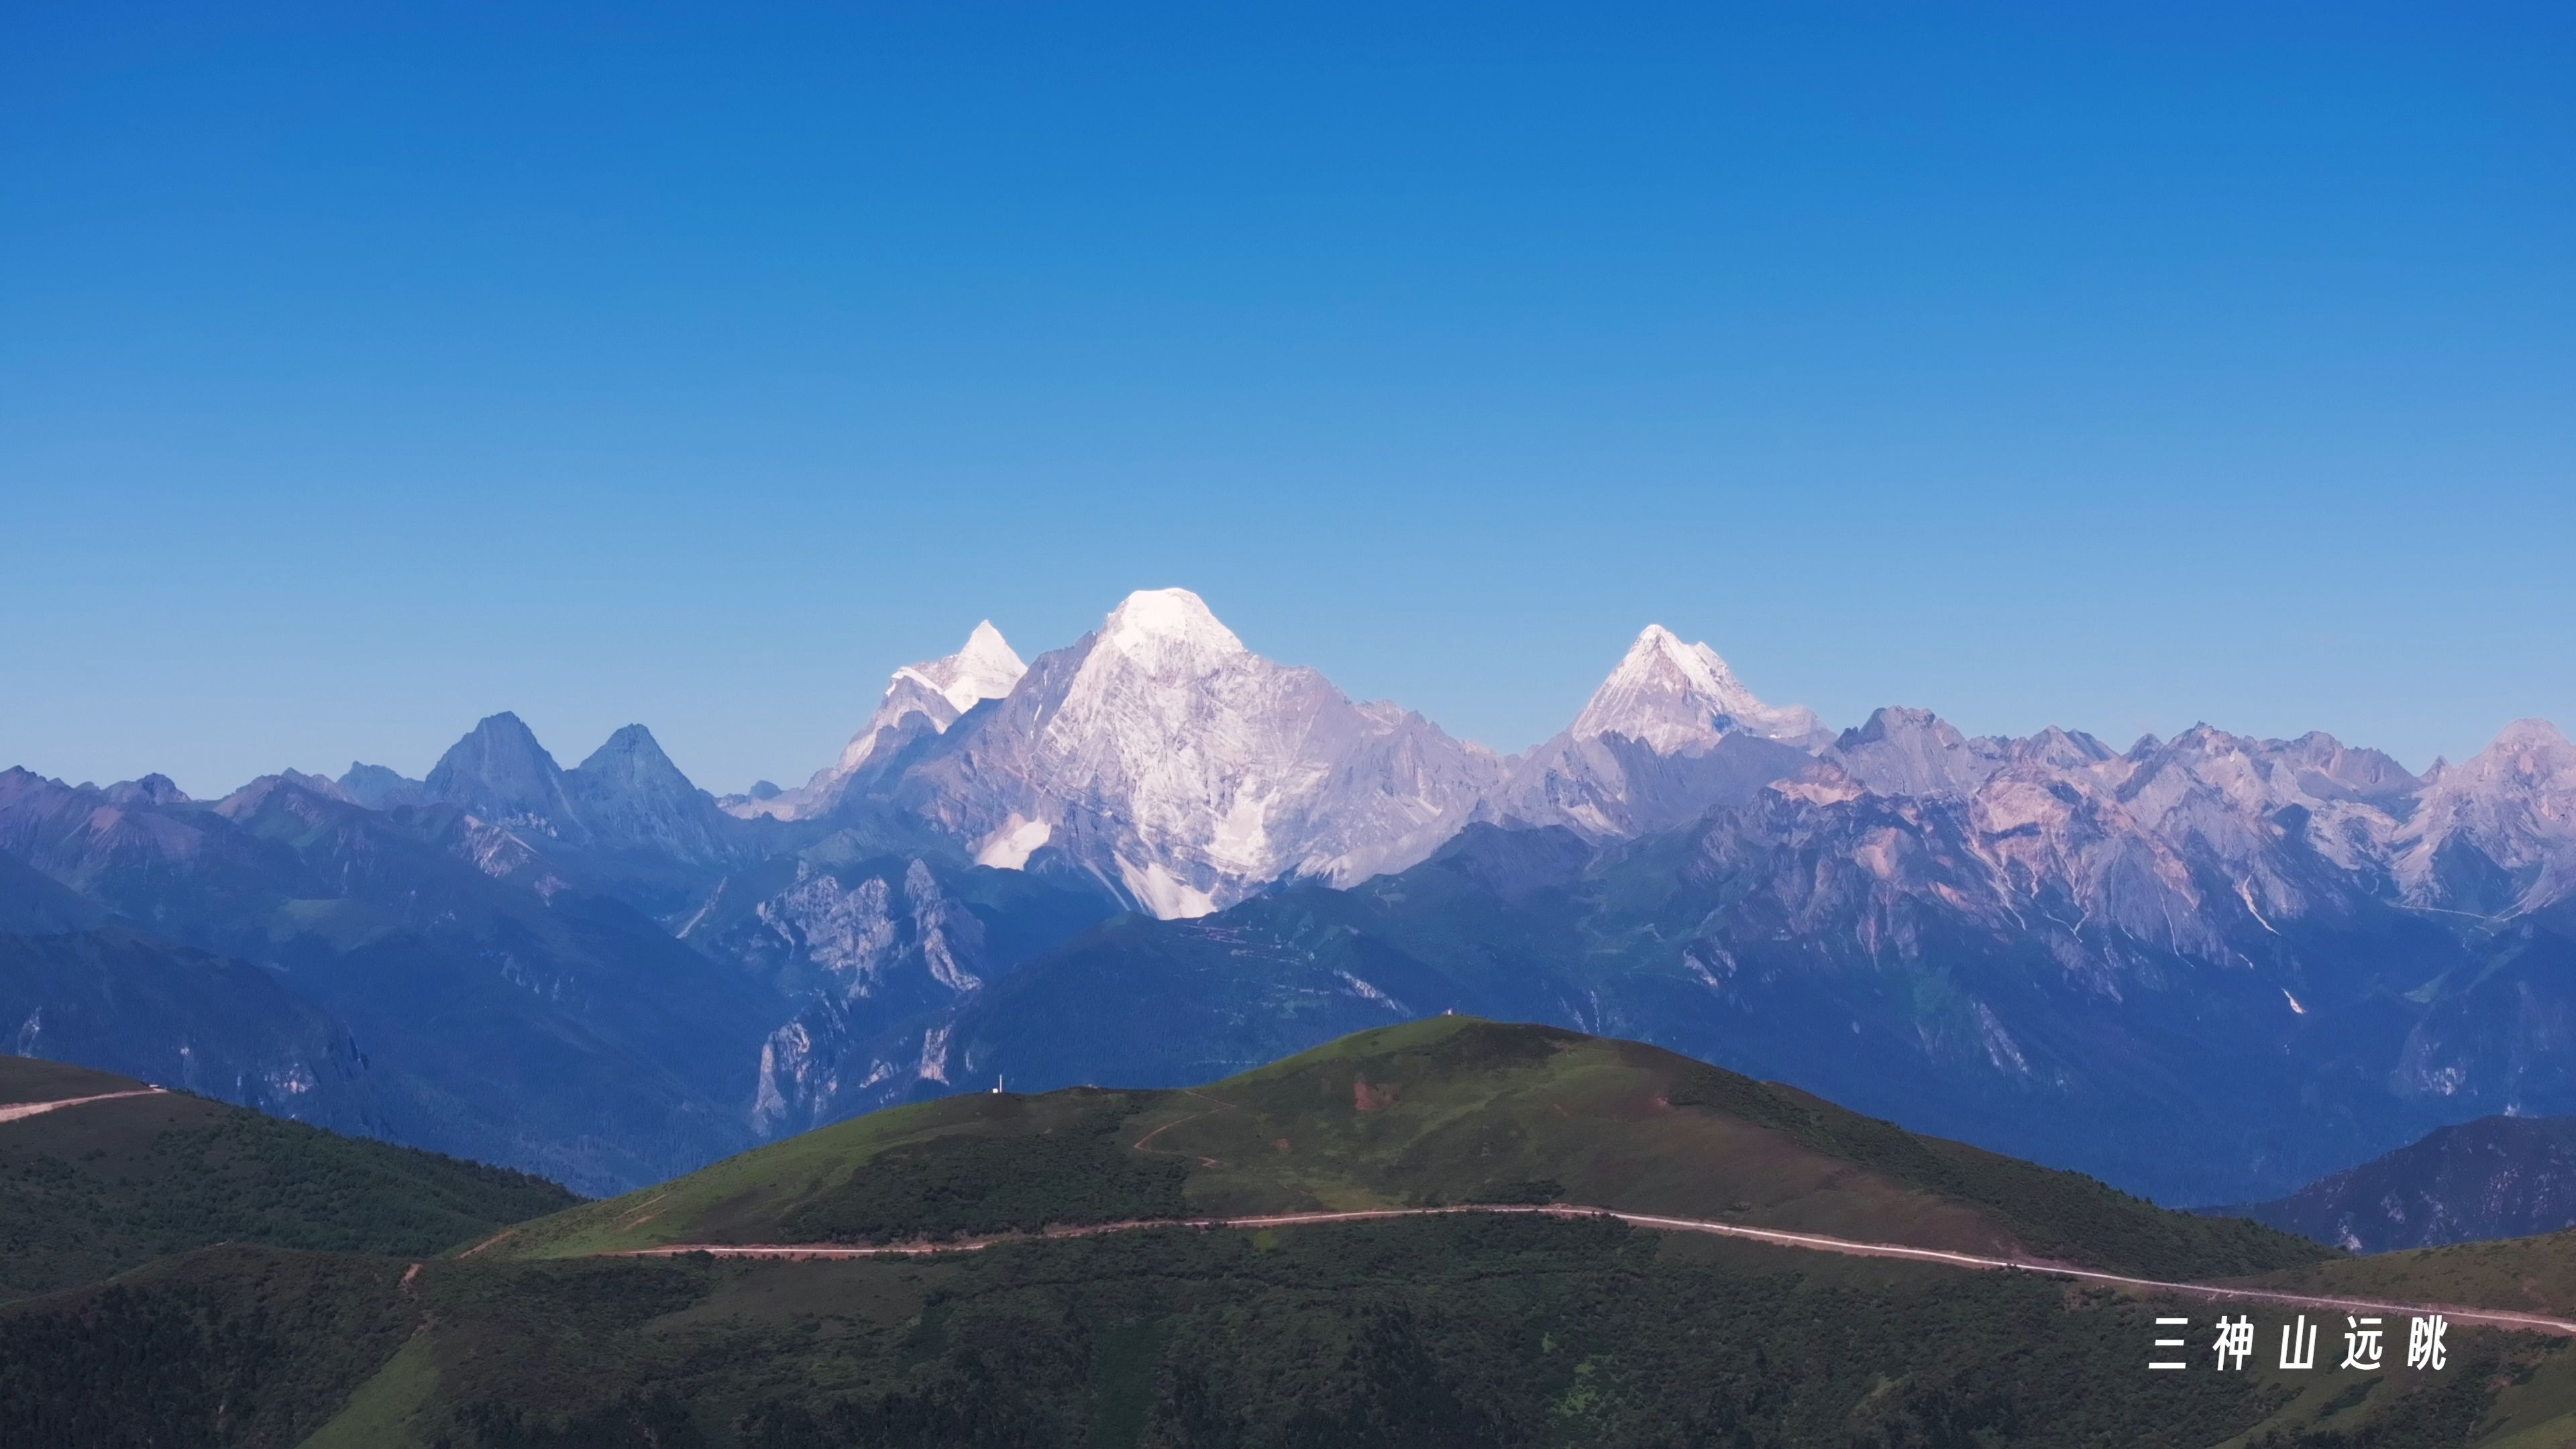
(2042, 943)
(2019, 940)
(424, 975)
(1185, 772)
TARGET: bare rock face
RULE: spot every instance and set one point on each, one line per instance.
(1915, 752)
(627, 799)
(502, 775)
(863, 945)
(631, 797)
(2513, 804)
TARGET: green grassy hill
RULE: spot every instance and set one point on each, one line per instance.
(1443, 1110)
(1472, 1331)
(2501, 1391)
(2534, 1275)
(94, 1189)
(1465, 1332)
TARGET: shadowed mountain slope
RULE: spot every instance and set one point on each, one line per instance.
(508, 1012)
(2148, 1025)
(2496, 1177)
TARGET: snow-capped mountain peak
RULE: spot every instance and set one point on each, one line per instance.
(1185, 771)
(985, 669)
(1169, 632)
(1669, 735)
(938, 690)
(1672, 696)
(931, 695)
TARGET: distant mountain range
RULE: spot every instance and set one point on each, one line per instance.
(2210, 968)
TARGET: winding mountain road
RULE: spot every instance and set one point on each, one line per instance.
(1815, 1242)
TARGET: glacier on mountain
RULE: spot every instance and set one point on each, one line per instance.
(1183, 771)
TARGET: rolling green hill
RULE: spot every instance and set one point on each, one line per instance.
(1448, 1109)
(1462, 1331)
(96, 1188)
(1459, 1332)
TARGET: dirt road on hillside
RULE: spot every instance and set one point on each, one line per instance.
(12, 1111)
(1815, 1242)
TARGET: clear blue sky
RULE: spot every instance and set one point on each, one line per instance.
(366, 369)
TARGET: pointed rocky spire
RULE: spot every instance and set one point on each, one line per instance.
(500, 771)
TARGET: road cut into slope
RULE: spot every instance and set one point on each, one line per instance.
(1814, 1242)
(12, 1111)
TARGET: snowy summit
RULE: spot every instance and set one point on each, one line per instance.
(930, 695)
(985, 669)
(1672, 696)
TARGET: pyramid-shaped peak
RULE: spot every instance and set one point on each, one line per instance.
(1658, 649)
(632, 739)
(985, 645)
(1157, 624)
(985, 669)
(498, 760)
(631, 747)
(1673, 695)
(500, 731)
(497, 737)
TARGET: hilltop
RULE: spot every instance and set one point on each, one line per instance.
(1461, 1329)
(1445, 1110)
(99, 1186)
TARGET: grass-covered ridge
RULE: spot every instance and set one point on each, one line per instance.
(1446, 1110)
(1457, 1330)
(1467, 1331)
(91, 1190)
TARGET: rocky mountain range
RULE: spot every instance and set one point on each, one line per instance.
(2210, 968)
(421, 974)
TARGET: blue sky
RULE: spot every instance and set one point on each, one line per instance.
(365, 369)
